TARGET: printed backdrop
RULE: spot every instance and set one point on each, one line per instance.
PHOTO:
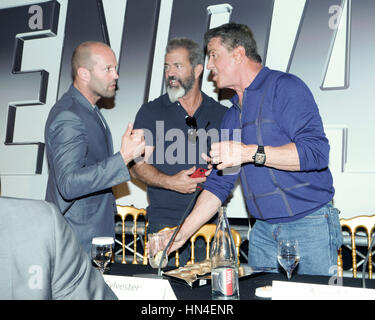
(325, 42)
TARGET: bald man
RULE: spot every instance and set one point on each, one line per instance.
(82, 166)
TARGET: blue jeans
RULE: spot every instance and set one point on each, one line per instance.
(319, 238)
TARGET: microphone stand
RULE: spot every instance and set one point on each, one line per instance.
(187, 211)
(365, 263)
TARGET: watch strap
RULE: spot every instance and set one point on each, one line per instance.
(260, 149)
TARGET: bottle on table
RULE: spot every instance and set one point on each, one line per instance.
(224, 262)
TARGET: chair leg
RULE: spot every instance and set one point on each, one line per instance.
(370, 257)
(354, 256)
(135, 242)
(192, 252)
(123, 261)
(177, 258)
(340, 270)
(144, 246)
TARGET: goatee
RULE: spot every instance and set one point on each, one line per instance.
(175, 93)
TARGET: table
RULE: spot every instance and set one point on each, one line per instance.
(247, 285)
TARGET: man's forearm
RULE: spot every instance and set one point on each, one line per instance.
(149, 175)
(283, 157)
(233, 153)
(180, 182)
(205, 208)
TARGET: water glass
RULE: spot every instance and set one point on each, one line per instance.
(288, 255)
(155, 249)
(101, 252)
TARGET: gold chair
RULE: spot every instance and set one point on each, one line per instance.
(207, 231)
(354, 224)
(124, 212)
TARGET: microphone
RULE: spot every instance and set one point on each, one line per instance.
(187, 211)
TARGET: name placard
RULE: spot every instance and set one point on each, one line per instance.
(282, 290)
(137, 288)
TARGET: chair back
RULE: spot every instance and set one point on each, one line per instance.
(207, 231)
(366, 223)
(135, 228)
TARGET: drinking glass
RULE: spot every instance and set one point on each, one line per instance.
(101, 252)
(155, 249)
(288, 255)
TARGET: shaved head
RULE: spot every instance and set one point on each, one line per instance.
(94, 70)
(83, 55)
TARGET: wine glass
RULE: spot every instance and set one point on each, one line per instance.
(101, 251)
(288, 255)
(155, 249)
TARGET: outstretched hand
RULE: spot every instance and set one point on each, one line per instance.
(133, 144)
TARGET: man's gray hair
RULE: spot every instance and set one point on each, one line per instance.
(196, 55)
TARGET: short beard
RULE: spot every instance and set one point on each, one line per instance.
(175, 93)
(185, 86)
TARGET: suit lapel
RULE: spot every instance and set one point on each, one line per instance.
(99, 119)
(110, 141)
(107, 132)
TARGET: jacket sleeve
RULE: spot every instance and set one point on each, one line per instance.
(68, 143)
(72, 275)
(298, 115)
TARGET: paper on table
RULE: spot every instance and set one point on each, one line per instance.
(137, 288)
(287, 290)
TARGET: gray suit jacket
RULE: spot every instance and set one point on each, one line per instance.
(40, 257)
(82, 167)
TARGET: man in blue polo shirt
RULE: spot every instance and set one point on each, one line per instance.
(282, 156)
(180, 124)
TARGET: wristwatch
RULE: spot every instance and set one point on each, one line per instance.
(259, 157)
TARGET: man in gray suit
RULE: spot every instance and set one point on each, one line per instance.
(82, 166)
(41, 257)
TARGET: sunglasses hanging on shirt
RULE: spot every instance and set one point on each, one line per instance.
(191, 122)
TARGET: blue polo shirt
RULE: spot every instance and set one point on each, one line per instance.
(278, 108)
(165, 128)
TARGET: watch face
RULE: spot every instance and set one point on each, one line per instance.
(260, 158)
